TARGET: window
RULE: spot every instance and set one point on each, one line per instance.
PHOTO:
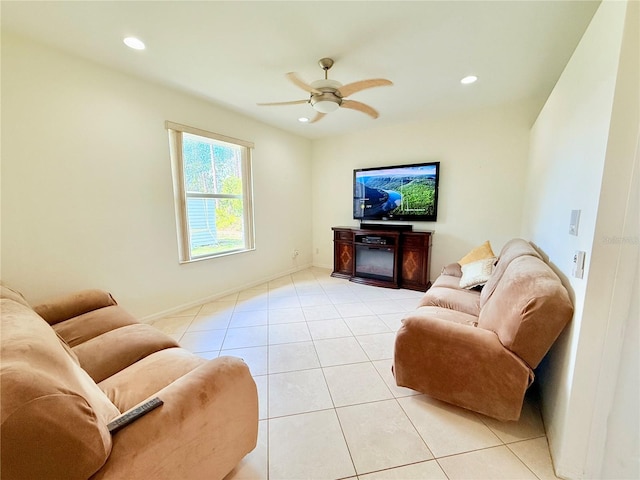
(212, 191)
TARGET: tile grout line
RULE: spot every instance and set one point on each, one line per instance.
(370, 362)
(424, 441)
(303, 280)
(399, 466)
(335, 411)
(522, 461)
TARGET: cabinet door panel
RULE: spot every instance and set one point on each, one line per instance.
(415, 260)
(344, 258)
(413, 268)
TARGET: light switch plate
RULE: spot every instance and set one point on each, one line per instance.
(575, 220)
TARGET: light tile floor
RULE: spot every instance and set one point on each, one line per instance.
(320, 351)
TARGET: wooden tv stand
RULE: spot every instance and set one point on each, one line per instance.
(391, 256)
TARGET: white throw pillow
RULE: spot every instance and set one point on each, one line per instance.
(477, 273)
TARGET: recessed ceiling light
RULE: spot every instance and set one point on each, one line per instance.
(469, 79)
(303, 120)
(135, 43)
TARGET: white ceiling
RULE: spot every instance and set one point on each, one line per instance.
(235, 53)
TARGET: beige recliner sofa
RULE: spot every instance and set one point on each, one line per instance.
(478, 349)
(71, 366)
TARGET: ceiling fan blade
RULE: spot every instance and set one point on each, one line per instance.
(361, 107)
(293, 102)
(354, 87)
(297, 81)
(318, 116)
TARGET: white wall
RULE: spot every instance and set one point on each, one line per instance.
(621, 457)
(582, 150)
(614, 441)
(482, 159)
(87, 198)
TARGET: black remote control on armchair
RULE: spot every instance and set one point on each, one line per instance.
(133, 414)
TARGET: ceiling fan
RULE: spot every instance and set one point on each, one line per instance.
(328, 95)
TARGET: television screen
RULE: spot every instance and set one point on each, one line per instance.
(401, 192)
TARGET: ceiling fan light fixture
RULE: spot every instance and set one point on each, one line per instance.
(326, 102)
(325, 106)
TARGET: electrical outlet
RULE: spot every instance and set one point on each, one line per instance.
(295, 253)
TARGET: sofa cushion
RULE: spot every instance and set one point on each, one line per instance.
(476, 274)
(528, 309)
(11, 294)
(478, 253)
(135, 383)
(514, 248)
(67, 348)
(443, 313)
(106, 354)
(84, 327)
(463, 301)
(68, 306)
(50, 407)
(447, 281)
(453, 269)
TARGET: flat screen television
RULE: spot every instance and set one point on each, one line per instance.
(399, 192)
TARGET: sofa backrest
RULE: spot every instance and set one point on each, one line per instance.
(53, 417)
(528, 308)
(72, 305)
(9, 293)
(514, 248)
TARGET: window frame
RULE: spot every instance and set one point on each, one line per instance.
(176, 131)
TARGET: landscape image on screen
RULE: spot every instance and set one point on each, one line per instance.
(396, 193)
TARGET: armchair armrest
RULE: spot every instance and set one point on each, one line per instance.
(68, 306)
(207, 424)
(460, 364)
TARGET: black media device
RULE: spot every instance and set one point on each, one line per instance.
(400, 192)
(371, 240)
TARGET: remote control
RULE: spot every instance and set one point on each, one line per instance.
(134, 414)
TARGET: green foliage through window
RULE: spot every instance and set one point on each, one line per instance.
(213, 184)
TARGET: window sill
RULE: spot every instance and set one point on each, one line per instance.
(217, 255)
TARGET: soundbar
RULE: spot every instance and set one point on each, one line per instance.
(382, 226)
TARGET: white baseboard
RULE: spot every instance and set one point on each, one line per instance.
(224, 293)
(318, 265)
